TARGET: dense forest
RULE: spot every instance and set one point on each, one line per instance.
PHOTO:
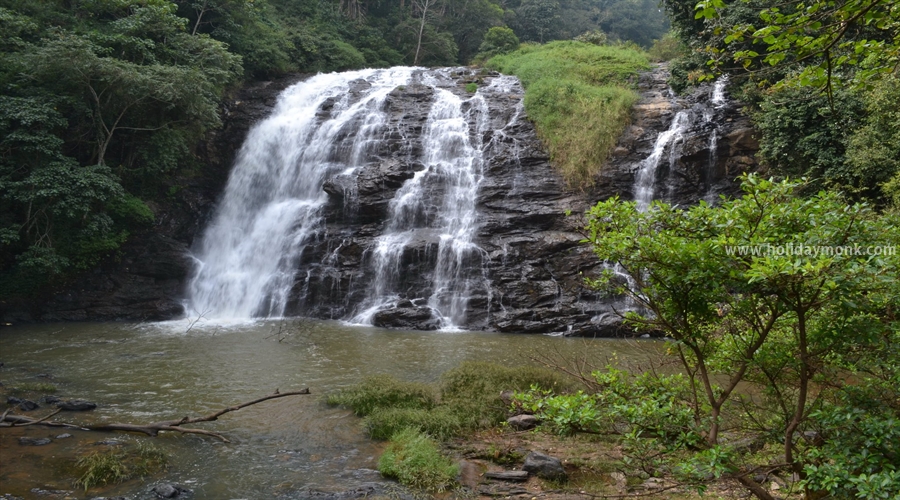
(104, 101)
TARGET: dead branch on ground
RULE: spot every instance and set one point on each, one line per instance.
(152, 429)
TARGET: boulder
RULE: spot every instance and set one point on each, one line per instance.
(544, 466)
(167, 490)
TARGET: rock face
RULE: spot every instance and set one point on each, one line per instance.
(719, 144)
(530, 264)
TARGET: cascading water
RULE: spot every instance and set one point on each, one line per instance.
(645, 180)
(246, 262)
(718, 101)
(438, 202)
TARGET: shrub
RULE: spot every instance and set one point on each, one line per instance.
(497, 40)
(413, 459)
(383, 391)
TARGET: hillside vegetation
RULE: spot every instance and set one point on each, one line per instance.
(579, 96)
(103, 102)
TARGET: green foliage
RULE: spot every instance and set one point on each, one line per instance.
(790, 295)
(414, 460)
(36, 387)
(593, 37)
(473, 389)
(579, 98)
(101, 468)
(498, 40)
(802, 135)
(851, 40)
(858, 458)
(383, 391)
(442, 423)
(472, 87)
(101, 101)
(469, 399)
(667, 48)
(873, 151)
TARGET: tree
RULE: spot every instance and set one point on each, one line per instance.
(772, 290)
(824, 40)
(538, 19)
(498, 40)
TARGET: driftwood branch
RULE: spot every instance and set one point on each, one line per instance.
(152, 429)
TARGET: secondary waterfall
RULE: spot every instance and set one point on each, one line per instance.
(645, 180)
(271, 209)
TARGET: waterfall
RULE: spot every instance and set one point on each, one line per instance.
(437, 205)
(717, 100)
(645, 180)
(270, 211)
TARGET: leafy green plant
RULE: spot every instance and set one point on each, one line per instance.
(414, 459)
(471, 87)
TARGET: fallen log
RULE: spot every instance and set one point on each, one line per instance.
(152, 429)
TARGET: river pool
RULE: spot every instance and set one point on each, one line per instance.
(283, 448)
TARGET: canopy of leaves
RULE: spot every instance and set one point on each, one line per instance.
(794, 296)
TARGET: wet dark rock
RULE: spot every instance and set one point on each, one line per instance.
(523, 422)
(27, 441)
(12, 400)
(408, 317)
(49, 400)
(167, 490)
(76, 405)
(544, 466)
(27, 405)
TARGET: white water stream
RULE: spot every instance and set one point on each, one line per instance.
(271, 206)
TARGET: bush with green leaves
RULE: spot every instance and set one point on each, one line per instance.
(498, 40)
(789, 297)
(414, 459)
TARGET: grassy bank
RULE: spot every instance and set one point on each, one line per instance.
(579, 96)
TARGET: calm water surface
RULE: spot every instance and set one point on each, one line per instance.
(141, 373)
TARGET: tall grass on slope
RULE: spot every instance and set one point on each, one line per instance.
(579, 96)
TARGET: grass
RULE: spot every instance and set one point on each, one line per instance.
(469, 399)
(415, 416)
(384, 391)
(36, 387)
(579, 96)
(414, 460)
(101, 468)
